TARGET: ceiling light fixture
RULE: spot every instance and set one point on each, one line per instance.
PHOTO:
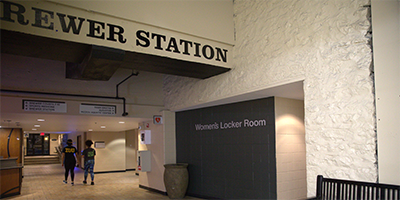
(90, 130)
(122, 122)
(40, 120)
(102, 126)
(36, 125)
(34, 129)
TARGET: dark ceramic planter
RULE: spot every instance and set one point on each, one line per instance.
(176, 179)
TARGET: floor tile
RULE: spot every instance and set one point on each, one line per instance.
(44, 182)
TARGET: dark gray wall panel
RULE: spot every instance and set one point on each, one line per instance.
(229, 163)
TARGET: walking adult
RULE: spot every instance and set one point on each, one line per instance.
(88, 155)
(69, 161)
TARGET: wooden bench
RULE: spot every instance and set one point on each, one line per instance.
(329, 188)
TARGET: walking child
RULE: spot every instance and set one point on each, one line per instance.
(88, 155)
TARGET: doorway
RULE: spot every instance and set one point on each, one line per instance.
(38, 144)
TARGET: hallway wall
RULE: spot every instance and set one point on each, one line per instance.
(131, 145)
(290, 149)
(119, 153)
(112, 157)
(153, 179)
(386, 42)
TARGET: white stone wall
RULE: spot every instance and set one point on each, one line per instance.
(321, 41)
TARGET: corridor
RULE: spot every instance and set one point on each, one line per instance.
(44, 182)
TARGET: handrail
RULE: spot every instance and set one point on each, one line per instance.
(58, 149)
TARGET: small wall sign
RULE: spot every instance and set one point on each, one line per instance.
(99, 144)
(157, 119)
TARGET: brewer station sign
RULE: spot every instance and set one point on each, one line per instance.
(50, 19)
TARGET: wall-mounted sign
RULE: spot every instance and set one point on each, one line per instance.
(44, 106)
(157, 119)
(95, 109)
(144, 161)
(99, 144)
(55, 20)
(145, 137)
(246, 123)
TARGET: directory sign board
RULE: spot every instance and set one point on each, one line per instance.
(96, 109)
(44, 106)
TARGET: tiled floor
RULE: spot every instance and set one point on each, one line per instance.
(44, 182)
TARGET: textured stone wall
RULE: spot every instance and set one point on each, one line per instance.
(323, 42)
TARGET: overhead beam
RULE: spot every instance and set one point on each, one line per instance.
(74, 54)
(100, 64)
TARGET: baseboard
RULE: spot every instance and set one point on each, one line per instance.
(165, 193)
(116, 171)
(9, 194)
(153, 190)
(109, 172)
(200, 196)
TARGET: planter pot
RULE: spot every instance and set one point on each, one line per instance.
(176, 179)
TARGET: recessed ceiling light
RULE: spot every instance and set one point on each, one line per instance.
(102, 126)
(122, 122)
(90, 130)
(40, 120)
(34, 129)
(36, 125)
